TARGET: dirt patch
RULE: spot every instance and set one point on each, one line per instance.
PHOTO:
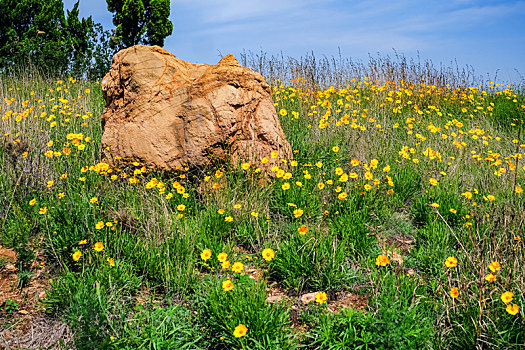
(245, 249)
(42, 332)
(275, 294)
(403, 242)
(23, 323)
(347, 299)
(27, 298)
(336, 300)
(298, 303)
(7, 254)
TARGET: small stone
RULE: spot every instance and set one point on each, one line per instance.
(395, 256)
(8, 254)
(10, 267)
(274, 299)
(308, 298)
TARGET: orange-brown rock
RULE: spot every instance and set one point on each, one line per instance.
(165, 112)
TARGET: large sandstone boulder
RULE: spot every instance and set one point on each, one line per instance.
(165, 112)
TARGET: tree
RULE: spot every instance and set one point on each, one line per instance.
(31, 33)
(140, 22)
(102, 53)
(37, 34)
(87, 45)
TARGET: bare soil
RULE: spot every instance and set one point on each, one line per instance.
(24, 324)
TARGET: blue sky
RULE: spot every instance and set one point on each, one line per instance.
(487, 35)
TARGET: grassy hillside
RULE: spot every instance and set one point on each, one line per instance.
(402, 213)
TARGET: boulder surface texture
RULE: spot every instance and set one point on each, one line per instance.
(165, 112)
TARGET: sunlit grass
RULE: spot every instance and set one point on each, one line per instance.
(405, 193)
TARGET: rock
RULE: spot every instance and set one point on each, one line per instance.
(274, 299)
(308, 298)
(395, 256)
(10, 267)
(165, 112)
(7, 254)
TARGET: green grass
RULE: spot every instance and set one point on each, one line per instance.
(444, 176)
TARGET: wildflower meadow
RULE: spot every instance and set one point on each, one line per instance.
(398, 224)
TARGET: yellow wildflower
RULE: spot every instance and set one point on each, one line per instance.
(206, 254)
(320, 297)
(240, 331)
(268, 254)
(451, 262)
(77, 255)
(98, 247)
